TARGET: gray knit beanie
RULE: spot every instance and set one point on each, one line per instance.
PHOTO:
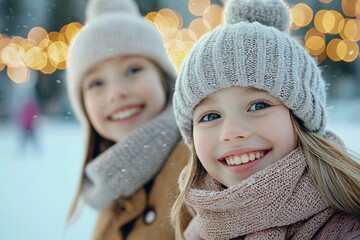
(113, 28)
(252, 49)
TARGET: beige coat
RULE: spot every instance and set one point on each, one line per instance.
(152, 216)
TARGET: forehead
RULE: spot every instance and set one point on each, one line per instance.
(243, 91)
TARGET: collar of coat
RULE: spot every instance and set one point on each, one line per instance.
(131, 163)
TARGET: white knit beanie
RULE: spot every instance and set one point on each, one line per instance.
(113, 28)
(252, 49)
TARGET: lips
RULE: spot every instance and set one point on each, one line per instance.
(125, 113)
(243, 158)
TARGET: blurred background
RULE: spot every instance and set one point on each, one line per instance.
(39, 173)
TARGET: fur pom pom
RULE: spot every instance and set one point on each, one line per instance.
(96, 8)
(267, 12)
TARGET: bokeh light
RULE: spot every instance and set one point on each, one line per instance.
(197, 7)
(332, 34)
(40, 51)
(301, 15)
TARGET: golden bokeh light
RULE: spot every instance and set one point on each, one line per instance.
(13, 55)
(20, 74)
(351, 30)
(350, 51)
(171, 33)
(350, 7)
(199, 26)
(318, 20)
(178, 50)
(36, 58)
(188, 35)
(313, 32)
(71, 30)
(37, 34)
(150, 17)
(301, 15)
(338, 24)
(161, 22)
(48, 68)
(213, 15)
(332, 49)
(197, 7)
(173, 18)
(55, 36)
(315, 45)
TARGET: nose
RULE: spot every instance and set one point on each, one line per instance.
(118, 90)
(234, 129)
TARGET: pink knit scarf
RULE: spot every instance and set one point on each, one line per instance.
(279, 202)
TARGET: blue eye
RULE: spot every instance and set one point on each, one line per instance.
(133, 70)
(210, 117)
(258, 106)
(95, 84)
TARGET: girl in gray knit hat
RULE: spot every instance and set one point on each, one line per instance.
(250, 103)
(120, 83)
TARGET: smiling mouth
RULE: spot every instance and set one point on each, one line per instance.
(243, 158)
(125, 114)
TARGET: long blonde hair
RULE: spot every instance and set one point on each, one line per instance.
(335, 170)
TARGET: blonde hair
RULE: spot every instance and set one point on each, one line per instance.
(95, 146)
(334, 170)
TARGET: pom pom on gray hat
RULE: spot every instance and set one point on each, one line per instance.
(252, 49)
(267, 12)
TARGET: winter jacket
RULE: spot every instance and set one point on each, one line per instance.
(146, 214)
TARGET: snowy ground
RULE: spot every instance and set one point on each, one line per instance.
(37, 186)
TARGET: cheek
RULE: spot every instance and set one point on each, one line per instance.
(203, 142)
(152, 89)
(93, 106)
(282, 134)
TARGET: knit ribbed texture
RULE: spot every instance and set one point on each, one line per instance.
(262, 206)
(252, 54)
(130, 164)
(114, 28)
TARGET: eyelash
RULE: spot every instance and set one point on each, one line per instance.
(208, 114)
(265, 104)
(129, 71)
(94, 84)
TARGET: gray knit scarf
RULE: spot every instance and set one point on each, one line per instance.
(279, 202)
(129, 164)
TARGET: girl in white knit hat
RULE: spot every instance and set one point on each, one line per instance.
(120, 83)
(250, 102)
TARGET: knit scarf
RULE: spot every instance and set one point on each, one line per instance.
(279, 202)
(129, 164)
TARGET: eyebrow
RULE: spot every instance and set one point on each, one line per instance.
(204, 101)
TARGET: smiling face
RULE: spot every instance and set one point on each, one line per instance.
(121, 94)
(239, 131)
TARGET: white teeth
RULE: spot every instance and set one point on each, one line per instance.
(125, 114)
(244, 158)
(237, 160)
